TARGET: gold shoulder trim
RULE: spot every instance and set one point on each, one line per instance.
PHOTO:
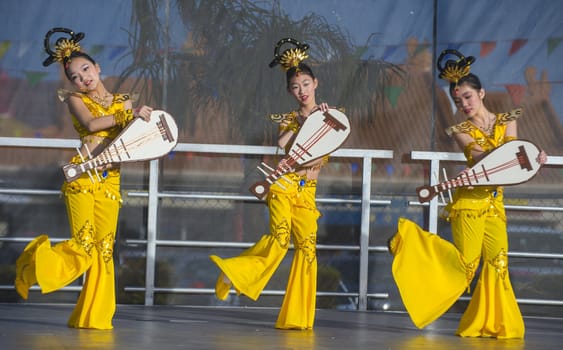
(64, 94)
(126, 97)
(463, 127)
(505, 118)
(279, 117)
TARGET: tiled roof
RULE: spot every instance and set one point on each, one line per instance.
(403, 127)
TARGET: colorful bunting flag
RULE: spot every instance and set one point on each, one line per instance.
(4, 46)
(389, 50)
(95, 50)
(516, 92)
(517, 44)
(487, 47)
(392, 93)
(552, 43)
(354, 167)
(361, 50)
(34, 77)
(23, 49)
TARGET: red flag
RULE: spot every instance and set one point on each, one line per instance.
(517, 44)
(516, 92)
(487, 47)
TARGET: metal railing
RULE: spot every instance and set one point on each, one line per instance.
(435, 159)
(366, 200)
(154, 194)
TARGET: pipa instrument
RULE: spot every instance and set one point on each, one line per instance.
(321, 134)
(140, 140)
(512, 163)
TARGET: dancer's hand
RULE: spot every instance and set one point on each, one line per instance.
(323, 107)
(463, 174)
(542, 157)
(283, 166)
(144, 112)
(285, 123)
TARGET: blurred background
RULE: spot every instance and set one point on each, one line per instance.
(206, 63)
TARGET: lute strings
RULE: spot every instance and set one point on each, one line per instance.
(115, 150)
(465, 180)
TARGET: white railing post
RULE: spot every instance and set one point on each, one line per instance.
(364, 234)
(152, 224)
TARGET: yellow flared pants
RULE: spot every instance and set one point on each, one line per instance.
(93, 212)
(293, 215)
(493, 310)
(431, 273)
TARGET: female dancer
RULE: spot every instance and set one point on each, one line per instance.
(432, 273)
(92, 201)
(293, 211)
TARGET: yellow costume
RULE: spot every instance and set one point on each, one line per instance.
(293, 212)
(431, 273)
(93, 208)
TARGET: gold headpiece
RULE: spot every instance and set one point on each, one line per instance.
(289, 58)
(64, 47)
(453, 71)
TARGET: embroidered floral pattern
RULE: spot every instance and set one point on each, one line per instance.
(85, 237)
(470, 269)
(105, 247)
(500, 263)
(308, 247)
(281, 234)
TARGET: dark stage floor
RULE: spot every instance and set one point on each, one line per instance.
(43, 326)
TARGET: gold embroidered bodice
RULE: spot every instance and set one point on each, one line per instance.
(97, 110)
(295, 123)
(487, 141)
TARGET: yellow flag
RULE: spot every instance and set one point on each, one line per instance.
(4, 46)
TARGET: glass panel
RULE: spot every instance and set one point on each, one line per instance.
(27, 216)
(130, 266)
(375, 59)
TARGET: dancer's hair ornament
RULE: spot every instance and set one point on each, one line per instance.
(63, 48)
(454, 70)
(289, 58)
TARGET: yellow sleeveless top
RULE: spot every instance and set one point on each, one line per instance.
(487, 141)
(480, 200)
(97, 110)
(294, 125)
